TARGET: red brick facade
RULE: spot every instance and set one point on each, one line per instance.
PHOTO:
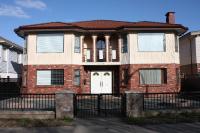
(172, 84)
(133, 81)
(31, 86)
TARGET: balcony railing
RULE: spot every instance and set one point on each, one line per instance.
(113, 55)
(88, 55)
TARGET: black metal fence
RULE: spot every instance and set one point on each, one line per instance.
(10, 85)
(163, 101)
(92, 105)
(27, 102)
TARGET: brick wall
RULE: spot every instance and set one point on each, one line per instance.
(134, 83)
(133, 78)
(31, 86)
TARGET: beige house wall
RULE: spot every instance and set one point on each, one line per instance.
(132, 57)
(170, 56)
(67, 57)
(197, 42)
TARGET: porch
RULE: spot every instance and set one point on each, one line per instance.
(98, 49)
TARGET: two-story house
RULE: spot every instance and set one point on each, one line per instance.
(190, 53)
(101, 56)
(10, 59)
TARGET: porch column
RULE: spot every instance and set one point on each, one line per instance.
(82, 47)
(94, 38)
(120, 46)
(107, 37)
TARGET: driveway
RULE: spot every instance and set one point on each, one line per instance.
(114, 125)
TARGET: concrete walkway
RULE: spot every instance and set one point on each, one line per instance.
(109, 126)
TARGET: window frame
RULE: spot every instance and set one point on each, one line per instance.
(77, 49)
(51, 34)
(163, 76)
(176, 43)
(62, 82)
(124, 47)
(164, 41)
(77, 76)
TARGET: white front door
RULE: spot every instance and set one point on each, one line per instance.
(101, 82)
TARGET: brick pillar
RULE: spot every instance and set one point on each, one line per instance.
(64, 104)
(134, 104)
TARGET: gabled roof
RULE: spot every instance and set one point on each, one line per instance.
(98, 25)
(11, 44)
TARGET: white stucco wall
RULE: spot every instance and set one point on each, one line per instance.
(169, 56)
(51, 58)
(197, 42)
(132, 57)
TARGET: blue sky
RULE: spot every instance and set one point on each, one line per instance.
(14, 13)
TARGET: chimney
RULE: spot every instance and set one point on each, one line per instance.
(170, 17)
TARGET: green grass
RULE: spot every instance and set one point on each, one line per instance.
(35, 122)
(165, 118)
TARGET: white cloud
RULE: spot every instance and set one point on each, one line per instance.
(9, 10)
(37, 4)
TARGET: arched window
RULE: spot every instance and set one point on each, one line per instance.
(101, 44)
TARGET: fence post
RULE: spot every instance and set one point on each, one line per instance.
(64, 104)
(134, 104)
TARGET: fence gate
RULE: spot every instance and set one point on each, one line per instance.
(103, 105)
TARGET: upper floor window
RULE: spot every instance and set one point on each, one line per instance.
(151, 42)
(50, 43)
(124, 44)
(176, 43)
(77, 44)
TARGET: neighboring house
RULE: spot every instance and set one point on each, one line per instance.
(102, 56)
(190, 53)
(10, 59)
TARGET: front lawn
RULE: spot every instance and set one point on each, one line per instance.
(35, 122)
(165, 118)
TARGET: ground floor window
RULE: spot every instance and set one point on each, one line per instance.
(153, 76)
(77, 77)
(50, 77)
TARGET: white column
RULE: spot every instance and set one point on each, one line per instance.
(120, 47)
(82, 47)
(94, 38)
(107, 47)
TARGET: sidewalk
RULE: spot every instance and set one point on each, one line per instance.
(109, 126)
